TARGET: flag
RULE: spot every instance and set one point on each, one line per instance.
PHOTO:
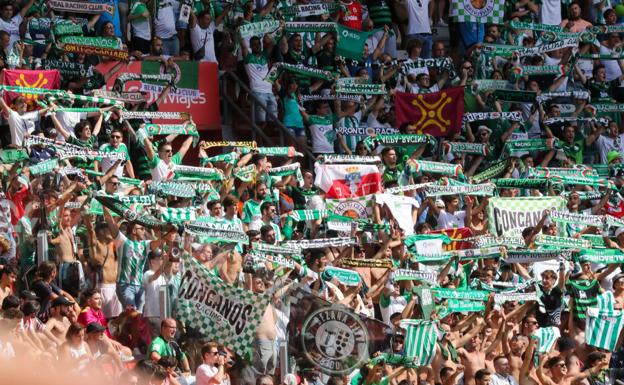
(347, 180)
(509, 216)
(480, 11)
(547, 338)
(332, 339)
(420, 340)
(49, 79)
(603, 327)
(351, 42)
(226, 313)
(456, 235)
(195, 88)
(436, 113)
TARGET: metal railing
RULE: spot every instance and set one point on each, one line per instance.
(229, 107)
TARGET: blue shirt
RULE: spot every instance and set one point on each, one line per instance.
(471, 33)
(105, 17)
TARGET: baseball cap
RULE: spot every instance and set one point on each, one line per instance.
(28, 295)
(95, 327)
(61, 300)
(613, 155)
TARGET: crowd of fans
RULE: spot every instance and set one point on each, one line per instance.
(89, 293)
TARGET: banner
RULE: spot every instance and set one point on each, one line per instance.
(195, 89)
(350, 42)
(81, 7)
(29, 79)
(331, 338)
(214, 308)
(437, 113)
(347, 180)
(509, 216)
(479, 11)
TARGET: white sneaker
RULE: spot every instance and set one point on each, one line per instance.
(441, 23)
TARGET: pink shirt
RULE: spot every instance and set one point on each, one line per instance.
(88, 315)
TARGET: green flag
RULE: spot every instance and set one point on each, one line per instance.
(351, 42)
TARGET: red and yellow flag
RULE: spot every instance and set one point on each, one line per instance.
(437, 113)
(456, 235)
(49, 79)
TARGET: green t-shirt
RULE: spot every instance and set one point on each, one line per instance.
(164, 348)
(251, 209)
(575, 150)
(81, 162)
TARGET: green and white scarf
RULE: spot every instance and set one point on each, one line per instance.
(229, 236)
(398, 140)
(584, 95)
(308, 215)
(202, 173)
(349, 159)
(321, 243)
(177, 214)
(464, 188)
(490, 85)
(461, 294)
(129, 115)
(230, 157)
(247, 174)
(601, 256)
(545, 70)
(514, 116)
(66, 68)
(289, 169)
(400, 189)
(491, 172)
(520, 145)
(273, 151)
(422, 166)
(300, 70)
(561, 242)
(578, 218)
(44, 167)
(305, 10)
(608, 107)
(500, 298)
(489, 241)
(361, 89)
(276, 259)
(536, 183)
(530, 256)
(169, 129)
(345, 276)
(459, 148)
(548, 172)
(177, 189)
(413, 275)
(309, 26)
(259, 28)
(143, 200)
(535, 26)
(81, 7)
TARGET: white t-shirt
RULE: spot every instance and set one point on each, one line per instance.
(450, 221)
(401, 208)
(257, 68)
(498, 379)
(162, 171)
(550, 12)
(606, 144)
(204, 373)
(204, 37)
(107, 163)
(69, 120)
(165, 24)
(12, 27)
(152, 297)
(20, 125)
(141, 26)
(418, 16)
(612, 68)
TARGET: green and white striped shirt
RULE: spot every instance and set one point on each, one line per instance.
(132, 257)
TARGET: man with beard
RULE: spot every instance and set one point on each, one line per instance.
(575, 23)
(58, 323)
(251, 208)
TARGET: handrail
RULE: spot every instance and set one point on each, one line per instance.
(283, 130)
